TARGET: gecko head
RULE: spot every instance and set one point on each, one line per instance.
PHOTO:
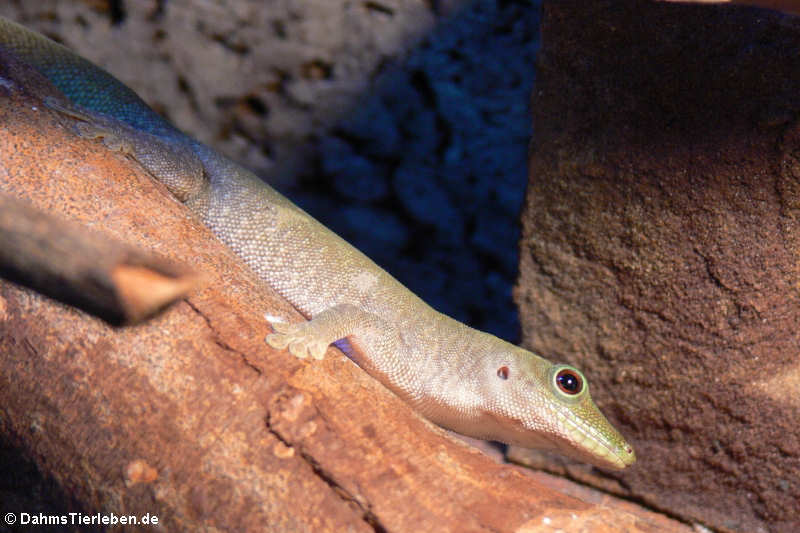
(537, 404)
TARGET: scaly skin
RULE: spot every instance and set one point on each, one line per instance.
(458, 377)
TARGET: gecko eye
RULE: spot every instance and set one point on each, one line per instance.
(502, 372)
(569, 381)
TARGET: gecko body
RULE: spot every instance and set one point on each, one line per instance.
(460, 378)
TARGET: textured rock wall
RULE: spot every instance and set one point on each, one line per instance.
(661, 246)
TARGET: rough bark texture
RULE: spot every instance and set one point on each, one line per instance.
(192, 418)
(661, 245)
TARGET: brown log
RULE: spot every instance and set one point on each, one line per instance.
(661, 246)
(191, 417)
(102, 276)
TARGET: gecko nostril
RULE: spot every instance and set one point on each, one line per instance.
(502, 372)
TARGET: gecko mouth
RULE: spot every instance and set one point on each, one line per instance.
(595, 445)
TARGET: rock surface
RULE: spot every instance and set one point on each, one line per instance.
(661, 246)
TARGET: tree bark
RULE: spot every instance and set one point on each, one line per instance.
(661, 246)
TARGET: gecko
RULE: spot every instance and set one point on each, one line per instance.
(462, 379)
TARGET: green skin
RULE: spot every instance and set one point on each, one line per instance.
(458, 377)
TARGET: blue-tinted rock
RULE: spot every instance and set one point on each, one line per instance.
(385, 233)
(497, 235)
(374, 127)
(457, 108)
(423, 197)
(421, 135)
(448, 129)
(352, 175)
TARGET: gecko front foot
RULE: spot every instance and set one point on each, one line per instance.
(299, 338)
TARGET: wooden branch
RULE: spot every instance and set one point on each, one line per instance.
(84, 268)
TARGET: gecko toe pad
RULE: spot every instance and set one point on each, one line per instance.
(298, 338)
